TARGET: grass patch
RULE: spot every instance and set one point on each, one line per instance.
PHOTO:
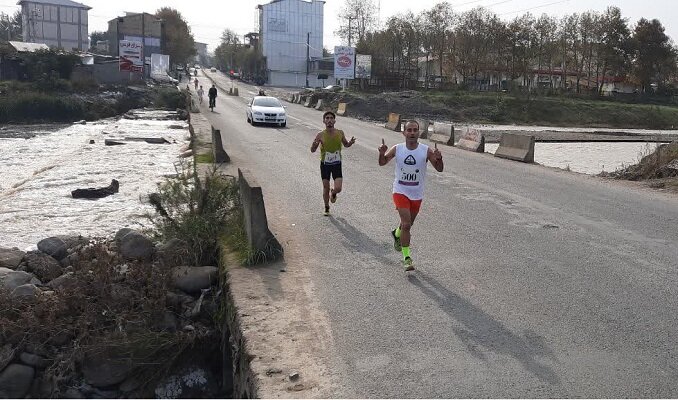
(206, 158)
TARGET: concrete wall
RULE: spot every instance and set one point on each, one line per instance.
(104, 73)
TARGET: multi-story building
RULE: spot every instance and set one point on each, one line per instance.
(291, 35)
(137, 27)
(201, 53)
(59, 24)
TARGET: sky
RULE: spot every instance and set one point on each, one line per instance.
(208, 18)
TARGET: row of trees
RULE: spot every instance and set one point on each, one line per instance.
(233, 54)
(476, 44)
(10, 26)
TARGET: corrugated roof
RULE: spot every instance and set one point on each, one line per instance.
(67, 3)
(24, 47)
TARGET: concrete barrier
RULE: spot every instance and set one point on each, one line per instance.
(516, 147)
(423, 128)
(442, 133)
(220, 155)
(472, 140)
(393, 122)
(319, 104)
(309, 101)
(300, 99)
(341, 109)
(259, 236)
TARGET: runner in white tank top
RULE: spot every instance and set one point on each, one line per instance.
(408, 185)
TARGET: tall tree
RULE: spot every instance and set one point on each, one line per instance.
(615, 47)
(179, 42)
(655, 58)
(439, 22)
(95, 37)
(356, 19)
(226, 52)
(10, 26)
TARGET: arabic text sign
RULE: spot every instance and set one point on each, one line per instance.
(130, 56)
(344, 62)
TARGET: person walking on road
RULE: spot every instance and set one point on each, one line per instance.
(408, 185)
(201, 92)
(195, 83)
(330, 141)
(212, 94)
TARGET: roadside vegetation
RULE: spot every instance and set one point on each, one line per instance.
(657, 168)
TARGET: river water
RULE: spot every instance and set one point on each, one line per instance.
(40, 167)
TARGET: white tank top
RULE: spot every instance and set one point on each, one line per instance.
(410, 171)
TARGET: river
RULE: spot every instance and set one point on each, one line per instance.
(40, 166)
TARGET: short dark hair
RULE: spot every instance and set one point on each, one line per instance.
(329, 113)
(412, 121)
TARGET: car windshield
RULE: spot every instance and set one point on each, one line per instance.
(266, 102)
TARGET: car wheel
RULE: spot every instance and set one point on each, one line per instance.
(249, 120)
(284, 124)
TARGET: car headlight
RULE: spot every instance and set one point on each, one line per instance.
(281, 114)
(257, 113)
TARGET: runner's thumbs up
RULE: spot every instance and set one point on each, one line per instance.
(382, 149)
(382, 142)
(435, 145)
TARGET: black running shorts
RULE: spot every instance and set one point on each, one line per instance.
(333, 170)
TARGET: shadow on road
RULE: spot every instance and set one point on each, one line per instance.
(481, 331)
(359, 241)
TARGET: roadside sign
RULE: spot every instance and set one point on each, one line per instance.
(344, 62)
(130, 56)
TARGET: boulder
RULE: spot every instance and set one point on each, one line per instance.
(65, 281)
(194, 279)
(27, 292)
(54, 247)
(101, 370)
(15, 381)
(34, 360)
(10, 258)
(10, 280)
(6, 355)
(135, 246)
(43, 266)
(122, 232)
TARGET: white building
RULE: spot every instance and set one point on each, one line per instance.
(56, 23)
(291, 34)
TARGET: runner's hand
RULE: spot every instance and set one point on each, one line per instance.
(382, 149)
(436, 153)
(352, 140)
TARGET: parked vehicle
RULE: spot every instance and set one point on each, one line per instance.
(266, 110)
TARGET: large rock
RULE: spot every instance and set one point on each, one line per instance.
(194, 279)
(54, 247)
(10, 258)
(135, 246)
(10, 280)
(101, 371)
(27, 292)
(15, 381)
(6, 355)
(34, 360)
(65, 281)
(43, 266)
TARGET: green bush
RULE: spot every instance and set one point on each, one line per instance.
(169, 98)
(31, 107)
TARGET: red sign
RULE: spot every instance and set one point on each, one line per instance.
(344, 61)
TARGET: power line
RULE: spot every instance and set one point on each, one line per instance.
(535, 7)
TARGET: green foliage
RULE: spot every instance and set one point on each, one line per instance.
(32, 107)
(179, 41)
(48, 63)
(197, 210)
(170, 98)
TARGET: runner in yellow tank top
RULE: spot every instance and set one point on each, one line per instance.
(330, 141)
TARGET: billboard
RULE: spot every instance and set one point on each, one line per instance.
(130, 56)
(344, 62)
(363, 66)
(159, 64)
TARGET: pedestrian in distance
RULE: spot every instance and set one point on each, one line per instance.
(330, 141)
(201, 92)
(195, 83)
(212, 94)
(408, 186)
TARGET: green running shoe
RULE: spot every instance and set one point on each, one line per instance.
(396, 242)
(409, 264)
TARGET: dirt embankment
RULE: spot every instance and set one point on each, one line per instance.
(658, 170)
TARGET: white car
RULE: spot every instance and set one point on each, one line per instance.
(266, 110)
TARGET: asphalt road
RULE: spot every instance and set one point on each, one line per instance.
(530, 281)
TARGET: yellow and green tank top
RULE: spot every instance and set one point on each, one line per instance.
(330, 152)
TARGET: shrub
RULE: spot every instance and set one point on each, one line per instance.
(169, 98)
(32, 107)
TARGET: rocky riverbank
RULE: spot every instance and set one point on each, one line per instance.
(113, 317)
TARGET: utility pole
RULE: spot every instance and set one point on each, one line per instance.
(308, 48)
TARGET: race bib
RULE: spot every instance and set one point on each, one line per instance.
(332, 158)
(409, 177)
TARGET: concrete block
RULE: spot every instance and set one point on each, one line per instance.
(423, 128)
(309, 101)
(472, 140)
(319, 104)
(259, 236)
(442, 133)
(394, 122)
(220, 155)
(300, 99)
(341, 109)
(516, 147)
